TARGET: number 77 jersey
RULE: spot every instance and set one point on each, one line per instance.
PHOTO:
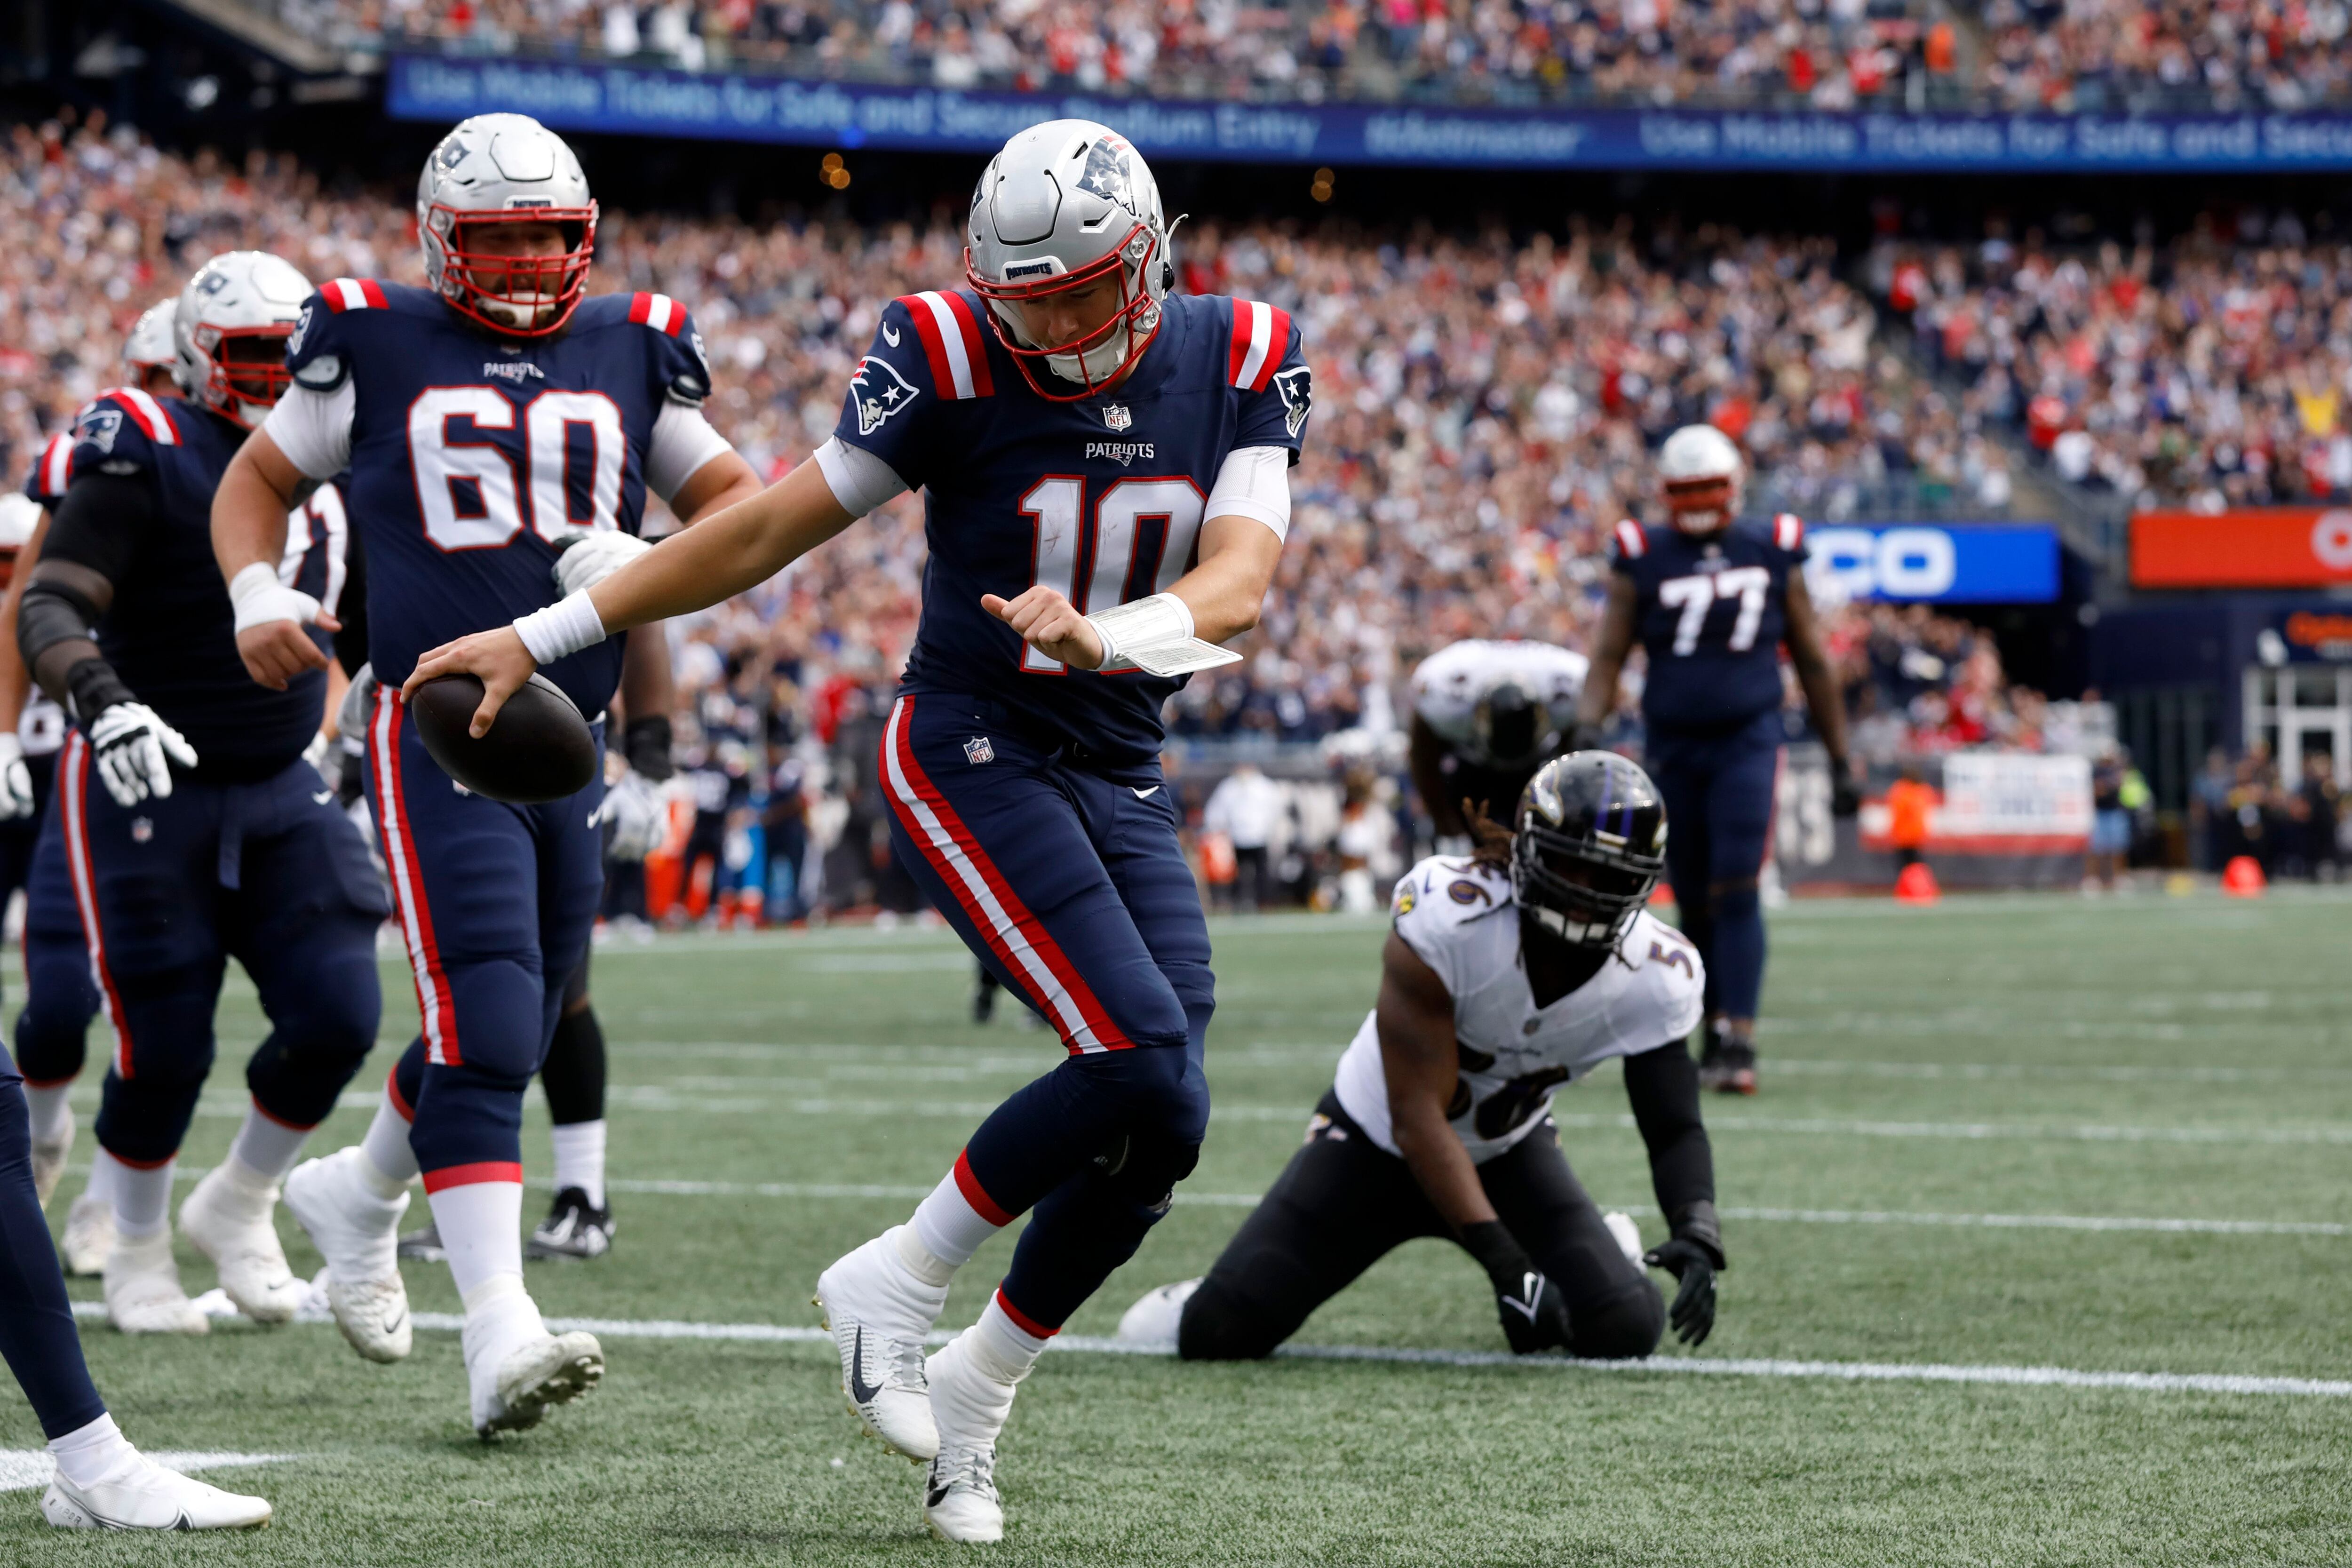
(1711, 610)
(1101, 498)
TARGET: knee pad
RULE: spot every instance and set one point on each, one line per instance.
(1144, 1165)
(1627, 1326)
(1218, 1326)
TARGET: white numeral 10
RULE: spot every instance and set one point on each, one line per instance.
(442, 460)
(1055, 507)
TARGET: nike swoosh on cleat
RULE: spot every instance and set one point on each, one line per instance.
(938, 1495)
(860, 1390)
(1143, 793)
(891, 334)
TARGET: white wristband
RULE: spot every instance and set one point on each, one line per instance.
(1161, 618)
(252, 582)
(562, 628)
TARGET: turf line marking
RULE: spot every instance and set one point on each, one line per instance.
(1849, 1372)
(22, 1469)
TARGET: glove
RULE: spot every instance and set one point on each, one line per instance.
(633, 808)
(646, 742)
(1533, 1311)
(135, 752)
(1845, 790)
(358, 706)
(15, 778)
(259, 598)
(1693, 1313)
(591, 558)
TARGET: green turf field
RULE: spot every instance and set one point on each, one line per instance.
(1930, 1076)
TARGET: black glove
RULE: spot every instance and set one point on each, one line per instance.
(646, 742)
(1533, 1311)
(1693, 1314)
(1845, 790)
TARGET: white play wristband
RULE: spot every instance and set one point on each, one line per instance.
(1161, 618)
(561, 630)
(251, 581)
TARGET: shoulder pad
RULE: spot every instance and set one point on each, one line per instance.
(1628, 541)
(948, 325)
(118, 430)
(1445, 890)
(1261, 342)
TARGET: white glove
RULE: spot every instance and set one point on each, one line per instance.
(135, 752)
(358, 707)
(634, 808)
(259, 598)
(15, 778)
(596, 557)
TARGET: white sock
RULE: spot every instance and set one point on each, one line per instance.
(141, 1198)
(921, 1261)
(86, 1454)
(1000, 1347)
(389, 1165)
(580, 1159)
(268, 1146)
(499, 1315)
(949, 1223)
(100, 1185)
(48, 1110)
(481, 1230)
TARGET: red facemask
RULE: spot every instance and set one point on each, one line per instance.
(518, 296)
(256, 376)
(1135, 302)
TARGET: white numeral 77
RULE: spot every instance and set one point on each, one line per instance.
(1695, 596)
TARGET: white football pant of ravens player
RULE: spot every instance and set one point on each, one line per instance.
(1485, 714)
(1509, 974)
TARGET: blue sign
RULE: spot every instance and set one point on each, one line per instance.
(630, 99)
(1963, 564)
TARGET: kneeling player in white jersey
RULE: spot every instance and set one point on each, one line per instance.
(1509, 972)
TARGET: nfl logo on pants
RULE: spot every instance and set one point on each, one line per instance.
(977, 750)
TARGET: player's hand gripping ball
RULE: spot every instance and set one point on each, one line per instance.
(538, 748)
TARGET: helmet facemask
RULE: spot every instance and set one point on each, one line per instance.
(1702, 506)
(1584, 893)
(1096, 357)
(246, 370)
(519, 296)
(1507, 725)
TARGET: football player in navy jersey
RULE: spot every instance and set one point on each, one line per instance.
(1105, 468)
(489, 419)
(1711, 601)
(194, 831)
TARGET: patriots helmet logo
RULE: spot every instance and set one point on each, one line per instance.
(878, 391)
(1297, 387)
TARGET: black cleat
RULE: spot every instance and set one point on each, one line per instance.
(1711, 1071)
(1734, 1069)
(572, 1228)
(423, 1246)
(984, 998)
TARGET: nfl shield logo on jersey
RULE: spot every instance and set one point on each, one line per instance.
(977, 750)
(1118, 416)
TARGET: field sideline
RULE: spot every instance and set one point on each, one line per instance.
(2039, 1236)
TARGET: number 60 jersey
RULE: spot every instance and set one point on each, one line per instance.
(473, 455)
(1458, 918)
(1102, 499)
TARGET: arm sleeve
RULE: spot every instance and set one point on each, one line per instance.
(892, 396)
(682, 440)
(1274, 405)
(860, 480)
(314, 429)
(1662, 1085)
(1254, 482)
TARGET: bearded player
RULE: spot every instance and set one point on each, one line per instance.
(487, 419)
(1508, 973)
(1107, 476)
(1711, 601)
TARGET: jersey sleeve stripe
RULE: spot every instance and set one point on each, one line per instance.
(1278, 343)
(1630, 540)
(1253, 330)
(944, 340)
(1787, 531)
(975, 348)
(659, 312)
(150, 416)
(56, 466)
(354, 294)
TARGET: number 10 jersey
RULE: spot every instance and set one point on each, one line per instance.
(1101, 498)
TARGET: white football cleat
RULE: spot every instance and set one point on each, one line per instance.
(49, 1158)
(1156, 1314)
(90, 1237)
(1627, 1234)
(139, 1494)
(228, 1221)
(878, 1312)
(357, 1233)
(514, 1390)
(142, 1289)
(960, 1498)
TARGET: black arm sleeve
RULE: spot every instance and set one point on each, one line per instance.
(105, 523)
(351, 608)
(1662, 1085)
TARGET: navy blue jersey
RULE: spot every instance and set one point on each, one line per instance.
(170, 632)
(472, 454)
(1712, 609)
(1101, 498)
(52, 469)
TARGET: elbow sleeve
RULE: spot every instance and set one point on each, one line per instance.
(51, 613)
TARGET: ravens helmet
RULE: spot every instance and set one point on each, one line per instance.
(1589, 843)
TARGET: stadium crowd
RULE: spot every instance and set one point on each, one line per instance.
(2059, 55)
(1484, 410)
(2212, 372)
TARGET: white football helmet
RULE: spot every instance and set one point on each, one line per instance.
(153, 345)
(231, 327)
(1700, 469)
(1064, 205)
(505, 169)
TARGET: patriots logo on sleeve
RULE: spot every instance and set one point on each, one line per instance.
(879, 391)
(301, 330)
(1297, 386)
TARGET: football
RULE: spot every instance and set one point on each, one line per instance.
(538, 748)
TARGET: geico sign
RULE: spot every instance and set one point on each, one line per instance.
(1886, 564)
